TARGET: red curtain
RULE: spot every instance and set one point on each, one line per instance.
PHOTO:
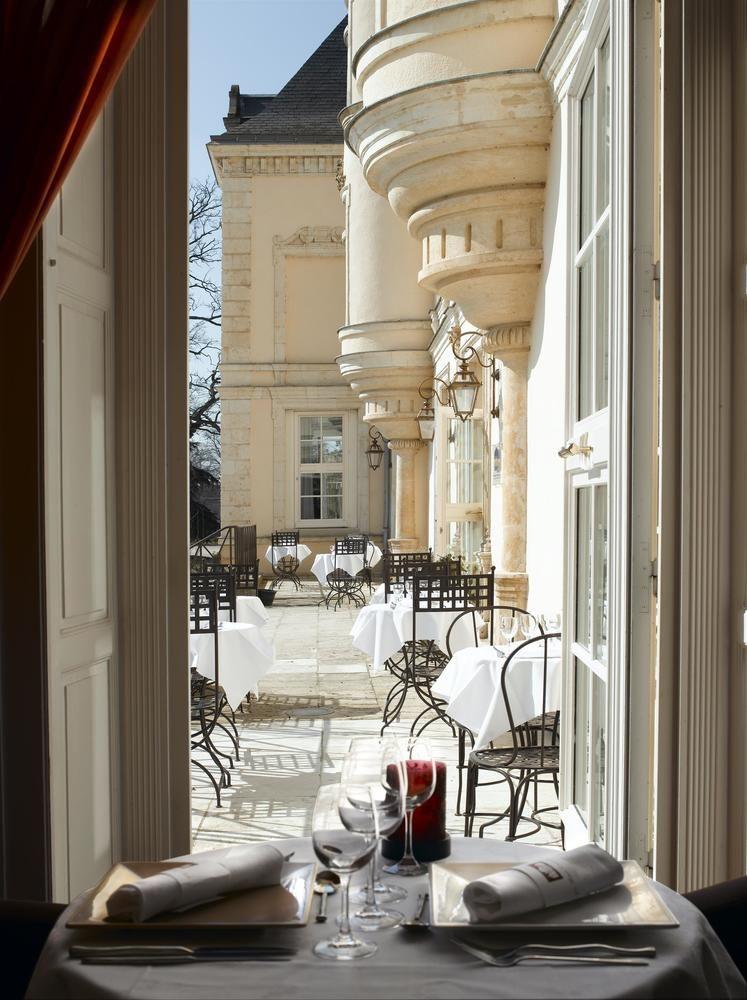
(59, 60)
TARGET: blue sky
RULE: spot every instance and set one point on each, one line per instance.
(258, 44)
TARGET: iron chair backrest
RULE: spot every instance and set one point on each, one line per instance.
(351, 546)
(488, 616)
(400, 566)
(468, 592)
(448, 565)
(285, 538)
(543, 737)
(223, 582)
(203, 615)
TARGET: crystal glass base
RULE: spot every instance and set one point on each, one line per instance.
(376, 919)
(385, 893)
(407, 867)
(344, 947)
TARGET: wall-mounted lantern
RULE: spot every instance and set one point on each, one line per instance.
(375, 451)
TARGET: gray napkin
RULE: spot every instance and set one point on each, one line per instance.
(213, 873)
(540, 884)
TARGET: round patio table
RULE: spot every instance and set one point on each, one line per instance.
(690, 960)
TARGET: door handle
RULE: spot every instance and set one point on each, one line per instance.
(574, 448)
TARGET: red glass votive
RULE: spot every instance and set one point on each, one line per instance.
(430, 841)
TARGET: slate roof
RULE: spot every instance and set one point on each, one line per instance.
(305, 110)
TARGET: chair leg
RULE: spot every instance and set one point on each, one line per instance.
(461, 748)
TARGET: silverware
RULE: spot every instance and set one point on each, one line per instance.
(517, 956)
(647, 951)
(325, 885)
(417, 918)
(153, 954)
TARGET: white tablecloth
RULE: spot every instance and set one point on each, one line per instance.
(380, 630)
(244, 655)
(324, 563)
(690, 960)
(251, 611)
(471, 686)
(301, 552)
(379, 594)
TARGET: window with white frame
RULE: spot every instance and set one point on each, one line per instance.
(464, 485)
(321, 469)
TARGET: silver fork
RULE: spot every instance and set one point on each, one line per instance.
(647, 951)
(517, 956)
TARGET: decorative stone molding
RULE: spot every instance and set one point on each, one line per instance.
(455, 130)
(405, 444)
(231, 161)
(512, 589)
(503, 339)
(317, 241)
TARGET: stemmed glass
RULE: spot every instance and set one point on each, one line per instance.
(344, 839)
(420, 773)
(372, 777)
(509, 626)
(528, 625)
(552, 621)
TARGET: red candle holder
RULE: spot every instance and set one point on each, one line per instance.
(430, 841)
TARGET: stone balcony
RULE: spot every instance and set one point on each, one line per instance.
(454, 130)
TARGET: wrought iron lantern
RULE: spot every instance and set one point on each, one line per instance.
(426, 417)
(375, 451)
(465, 385)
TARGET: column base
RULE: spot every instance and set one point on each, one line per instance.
(403, 544)
(512, 589)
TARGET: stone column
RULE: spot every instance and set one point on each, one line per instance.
(510, 345)
(405, 453)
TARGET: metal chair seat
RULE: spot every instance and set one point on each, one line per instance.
(540, 759)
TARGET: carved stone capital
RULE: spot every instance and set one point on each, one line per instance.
(507, 339)
(512, 589)
(406, 444)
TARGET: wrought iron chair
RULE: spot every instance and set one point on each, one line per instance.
(534, 754)
(285, 566)
(399, 567)
(205, 702)
(342, 585)
(365, 573)
(223, 580)
(488, 618)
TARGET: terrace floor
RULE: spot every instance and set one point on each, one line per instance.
(320, 694)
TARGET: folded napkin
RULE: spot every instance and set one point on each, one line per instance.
(540, 884)
(213, 873)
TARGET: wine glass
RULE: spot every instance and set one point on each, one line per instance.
(420, 775)
(508, 625)
(372, 778)
(552, 621)
(528, 625)
(344, 846)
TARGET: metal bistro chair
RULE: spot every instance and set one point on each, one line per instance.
(535, 752)
(488, 619)
(205, 699)
(223, 580)
(365, 574)
(398, 568)
(285, 566)
(341, 584)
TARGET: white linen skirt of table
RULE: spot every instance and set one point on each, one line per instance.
(251, 611)
(245, 655)
(325, 563)
(690, 960)
(471, 686)
(301, 552)
(379, 594)
(380, 631)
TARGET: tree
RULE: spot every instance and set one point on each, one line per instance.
(204, 217)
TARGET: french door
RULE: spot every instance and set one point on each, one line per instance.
(586, 622)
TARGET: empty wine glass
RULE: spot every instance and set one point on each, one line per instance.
(420, 775)
(372, 779)
(509, 626)
(344, 846)
(552, 621)
(528, 625)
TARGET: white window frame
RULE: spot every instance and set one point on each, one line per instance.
(455, 513)
(347, 467)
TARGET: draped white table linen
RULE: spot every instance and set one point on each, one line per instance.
(301, 552)
(245, 655)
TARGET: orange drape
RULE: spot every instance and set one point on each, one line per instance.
(59, 60)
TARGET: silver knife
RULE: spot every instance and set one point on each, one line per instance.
(163, 954)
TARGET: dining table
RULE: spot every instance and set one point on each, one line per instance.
(421, 962)
(381, 630)
(351, 563)
(470, 684)
(245, 655)
(274, 553)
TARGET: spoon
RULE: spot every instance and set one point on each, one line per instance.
(417, 919)
(325, 885)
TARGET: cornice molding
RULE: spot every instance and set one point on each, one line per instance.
(406, 444)
(232, 163)
(505, 339)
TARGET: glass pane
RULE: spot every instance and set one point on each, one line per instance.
(332, 450)
(333, 483)
(599, 707)
(311, 485)
(583, 567)
(310, 453)
(311, 508)
(332, 507)
(600, 573)
(581, 739)
(587, 160)
(464, 468)
(603, 129)
(332, 426)
(465, 539)
(311, 428)
(585, 340)
(601, 331)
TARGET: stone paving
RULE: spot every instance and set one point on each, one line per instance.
(320, 694)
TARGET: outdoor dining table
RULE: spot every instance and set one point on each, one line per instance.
(381, 630)
(690, 960)
(274, 553)
(325, 562)
(245, 655)
(470, 684)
